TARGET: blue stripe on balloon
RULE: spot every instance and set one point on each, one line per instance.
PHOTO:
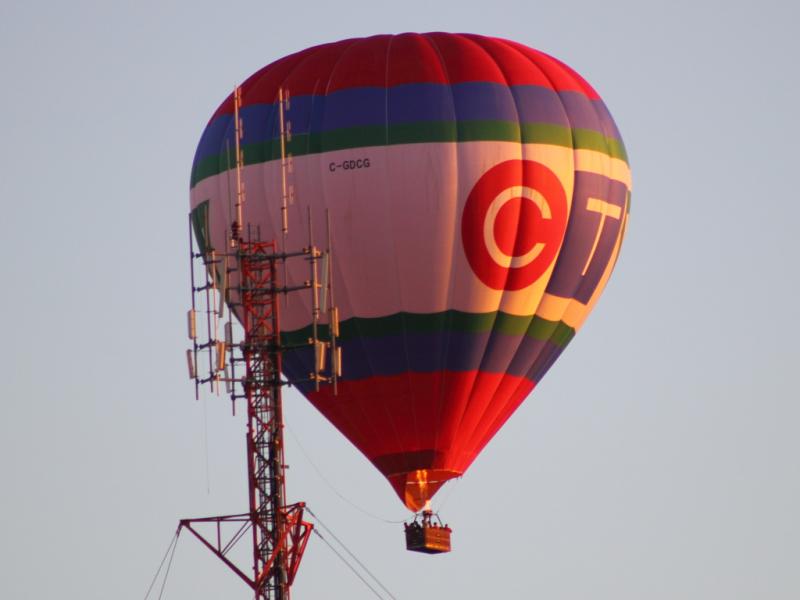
(411, 103)
(491, 352)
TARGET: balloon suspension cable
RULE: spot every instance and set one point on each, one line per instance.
(332, 487)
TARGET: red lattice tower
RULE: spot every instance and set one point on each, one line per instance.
(279, 533)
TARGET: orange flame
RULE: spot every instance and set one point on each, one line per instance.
(422, 482)
(416, 492)
(418, 486)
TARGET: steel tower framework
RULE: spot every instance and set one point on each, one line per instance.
(245, 278)
(279, 533)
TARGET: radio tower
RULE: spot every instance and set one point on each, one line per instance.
(245, 278)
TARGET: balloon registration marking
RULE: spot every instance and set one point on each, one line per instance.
(536, 228)
(606, 209)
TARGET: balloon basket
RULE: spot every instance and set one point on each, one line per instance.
(424, 534)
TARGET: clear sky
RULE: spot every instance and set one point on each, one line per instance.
(658, 459)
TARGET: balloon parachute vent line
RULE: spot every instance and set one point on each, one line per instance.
(427, 533)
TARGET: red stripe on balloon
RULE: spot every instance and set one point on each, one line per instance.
(562, 77)
(391, 60)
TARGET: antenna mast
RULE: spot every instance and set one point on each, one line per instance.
(246, 276)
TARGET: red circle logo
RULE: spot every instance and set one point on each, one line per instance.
(513, 223)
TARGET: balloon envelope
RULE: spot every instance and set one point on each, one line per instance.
(478, 193)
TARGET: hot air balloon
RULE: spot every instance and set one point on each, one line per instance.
(478, 192)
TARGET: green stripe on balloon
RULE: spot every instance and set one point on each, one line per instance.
(418, 133)
(557, 332)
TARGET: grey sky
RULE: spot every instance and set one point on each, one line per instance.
(658, 459)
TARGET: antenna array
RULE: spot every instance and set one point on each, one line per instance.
(216, 325)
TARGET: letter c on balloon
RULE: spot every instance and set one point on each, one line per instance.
(513, 224)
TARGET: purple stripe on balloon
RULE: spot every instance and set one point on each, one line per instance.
(536, 104)
(543, 361)
(606, 120)
(584, 113)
